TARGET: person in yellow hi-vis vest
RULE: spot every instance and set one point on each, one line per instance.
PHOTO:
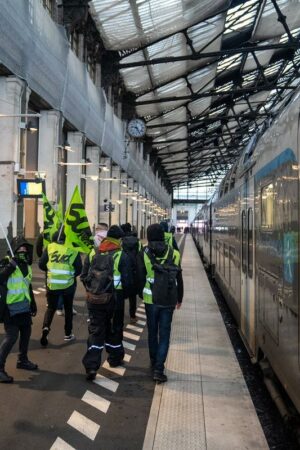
(104, 273)
(62, 265)
(161, 287)
(17, 305)
(169, 235)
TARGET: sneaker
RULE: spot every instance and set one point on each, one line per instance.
(26, 365)
(59, 312)
(160, 377)
(133, 319)
(44, 340)
(91, 374)
(5, 378)
(74, 312)
(71, 337)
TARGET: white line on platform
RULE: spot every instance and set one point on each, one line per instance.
(41, 289)
(180, 240)
(141, 322)
(141, 310)
(127, 357)
(96, 401)
(83, 425)
(35, 292)
(142, 316)
(106, 382)
(142, 305)
(132, 336)
(134, 328)
(117, 370)
(128, 345)
(60, 444)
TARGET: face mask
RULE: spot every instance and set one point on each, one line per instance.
(22, 256)
(99, 236)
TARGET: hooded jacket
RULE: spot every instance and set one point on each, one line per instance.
(7, 268)
(158, 249)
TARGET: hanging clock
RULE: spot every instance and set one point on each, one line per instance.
(136, 128)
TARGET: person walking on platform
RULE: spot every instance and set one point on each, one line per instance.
(168, 236)
(62, 265)
(102, 277)
(131, 245)
(161, 287)
(17, 305)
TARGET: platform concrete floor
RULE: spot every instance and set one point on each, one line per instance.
(206, 403)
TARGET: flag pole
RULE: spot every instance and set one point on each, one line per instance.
(7, 241)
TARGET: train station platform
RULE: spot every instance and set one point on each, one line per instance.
(206, 403)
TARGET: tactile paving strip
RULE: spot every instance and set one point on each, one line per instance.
(180, 422)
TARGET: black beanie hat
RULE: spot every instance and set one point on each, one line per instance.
(115, 232)
(155, 233)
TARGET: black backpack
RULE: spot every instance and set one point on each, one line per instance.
(164, 288)
(99, 282)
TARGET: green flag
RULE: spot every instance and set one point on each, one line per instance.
(59, 212)
(77, 229)
(51, 222)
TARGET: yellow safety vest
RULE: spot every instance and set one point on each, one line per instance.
(60, 268)
(169, 239)
(18, 296)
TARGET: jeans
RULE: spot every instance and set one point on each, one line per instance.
(159, 321)
(60, 303)
(12, 333)
(52, 301)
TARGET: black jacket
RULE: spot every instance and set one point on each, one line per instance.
(159, 250)
(7, 267)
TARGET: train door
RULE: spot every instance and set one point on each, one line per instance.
(247, 264)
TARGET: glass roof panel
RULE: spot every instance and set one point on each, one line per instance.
(269, 26)
(126, 24)
(241, 16)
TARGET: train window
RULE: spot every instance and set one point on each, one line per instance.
(244, 242)
(267, 206)
(250, 242)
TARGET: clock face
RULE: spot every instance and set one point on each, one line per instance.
(136, 128)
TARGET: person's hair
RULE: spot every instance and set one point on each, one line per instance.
(102, 226)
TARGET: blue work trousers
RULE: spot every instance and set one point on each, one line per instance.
(159, 321)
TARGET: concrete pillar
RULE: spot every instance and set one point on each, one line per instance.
(75, 139)
(130, 201)
(50, 155)
(134, 206)
(92, 186)
(104, 197)
(11, 91)
(115, 194)
(124, 198)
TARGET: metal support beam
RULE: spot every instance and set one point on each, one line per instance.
(201, 55)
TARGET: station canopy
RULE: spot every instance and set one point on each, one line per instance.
(206, 74)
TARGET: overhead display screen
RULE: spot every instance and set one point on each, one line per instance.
(31, 188)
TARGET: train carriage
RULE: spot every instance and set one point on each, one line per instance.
(254, 247)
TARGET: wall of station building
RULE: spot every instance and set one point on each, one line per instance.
(118, 171)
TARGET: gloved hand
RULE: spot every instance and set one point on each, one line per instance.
(13, 262)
